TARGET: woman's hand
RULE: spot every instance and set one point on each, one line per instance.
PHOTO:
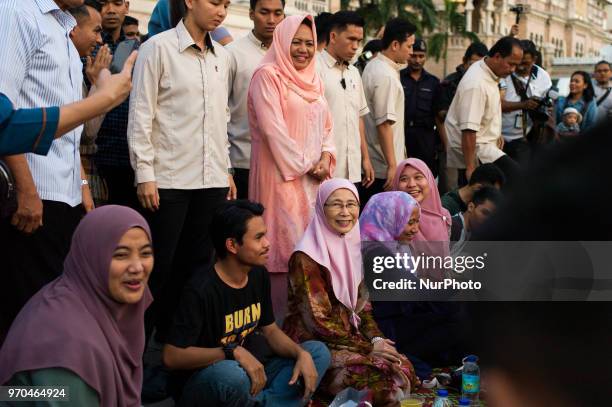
(321, 170)
(385, 349)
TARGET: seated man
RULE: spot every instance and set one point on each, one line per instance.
(214, 347)
(481, 207)
(456, 201)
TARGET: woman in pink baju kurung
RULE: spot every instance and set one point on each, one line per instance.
(292, 148)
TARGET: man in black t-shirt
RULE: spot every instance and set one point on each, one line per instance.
(224, 342)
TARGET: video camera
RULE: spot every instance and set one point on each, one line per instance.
(518, 9)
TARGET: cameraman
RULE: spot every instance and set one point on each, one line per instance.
(520, 93)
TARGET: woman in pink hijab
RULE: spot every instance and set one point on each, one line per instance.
(414, 177)
(328, 301)
(292, 145)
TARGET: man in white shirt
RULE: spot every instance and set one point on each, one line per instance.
(385, 96)
(473, 121)
(603, 89)
(345, 96)
(177, 137)
(519, 94)
(245, 55)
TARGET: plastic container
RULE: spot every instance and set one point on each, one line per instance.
(470, 379)
(442, 399)
(412, 402)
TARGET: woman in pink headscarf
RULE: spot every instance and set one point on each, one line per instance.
(414, 177)
(328, 301)
(292, 145)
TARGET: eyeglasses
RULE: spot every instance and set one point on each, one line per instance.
(338, 206)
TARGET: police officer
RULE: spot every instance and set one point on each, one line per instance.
(420, 91)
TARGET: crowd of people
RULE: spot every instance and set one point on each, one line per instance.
(251, 170)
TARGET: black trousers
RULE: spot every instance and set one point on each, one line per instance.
(421, 143)
(511, 170)
(182, 245)
(519, 150)
(241, 179)
(366, 193)
(31, 261)
(120, 184)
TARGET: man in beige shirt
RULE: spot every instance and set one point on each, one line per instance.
(345, 96)
(473, 121)
(385, 96)
(177, 136)
(245, 55)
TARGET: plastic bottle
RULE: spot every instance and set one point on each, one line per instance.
(442, 399)
(470, 379)
(464, 402)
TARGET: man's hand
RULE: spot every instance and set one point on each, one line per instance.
(390, 175)
(514, 31)
(469, 169)
(500, 143)
(116, 87)
(88, 202)
(94, 66)
(148, 195)
(29, 213)
(530, 104)
(253, 367)
(233, 191)
(304, 366)
(368, 173)
(321, 170)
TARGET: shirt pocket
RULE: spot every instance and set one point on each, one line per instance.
(424, 102)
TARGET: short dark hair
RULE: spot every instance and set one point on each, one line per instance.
(322, 21)
(529, 47)
(487, 194)
(476, 48)
(230, 222)
(373, 46)
(397, 29)
(81, 12)
(177, 11)
(129, 20)
(603, 61)
(253, 3)
(342, 19)
(504, 47)
(487, 174)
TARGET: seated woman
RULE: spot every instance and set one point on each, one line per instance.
(581, 97)
(425, 330)
(328, 302)
(85, 330)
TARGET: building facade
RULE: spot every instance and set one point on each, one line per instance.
(575, 29)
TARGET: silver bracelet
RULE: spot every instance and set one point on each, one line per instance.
(376, 339)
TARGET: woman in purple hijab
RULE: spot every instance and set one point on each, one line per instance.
(85, 330)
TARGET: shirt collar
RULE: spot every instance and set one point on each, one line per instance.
(392, 64)
(107, 38)
(64, 18)
(46, 6)
(185, 40)
(330, 61)
(256, 41)
(488, 70)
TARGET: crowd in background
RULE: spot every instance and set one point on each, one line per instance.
(251, 170)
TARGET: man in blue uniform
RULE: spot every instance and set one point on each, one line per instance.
(420, 91)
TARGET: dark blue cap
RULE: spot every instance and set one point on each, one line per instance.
(442, 392)
(464, 402)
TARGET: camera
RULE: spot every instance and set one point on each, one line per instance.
(541, 113)
(518, 9)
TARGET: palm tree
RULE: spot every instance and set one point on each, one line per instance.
(451, 22)
(421, 13)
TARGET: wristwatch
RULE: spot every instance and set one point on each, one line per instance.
(229, 350)
(84, 182)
